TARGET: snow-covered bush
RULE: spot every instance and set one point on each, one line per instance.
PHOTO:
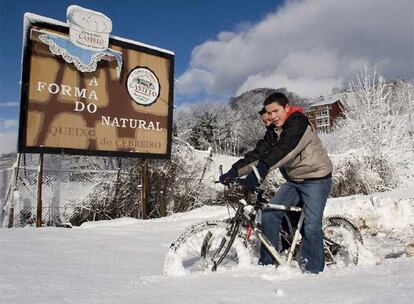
(177, 185)
(358, 172)
(97, 206)
(111, 199)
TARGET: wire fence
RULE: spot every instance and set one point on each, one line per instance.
(66, 187)
(75, 189)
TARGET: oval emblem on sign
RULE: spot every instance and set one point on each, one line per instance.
(143, 86)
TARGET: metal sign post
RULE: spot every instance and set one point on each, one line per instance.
(39, 191)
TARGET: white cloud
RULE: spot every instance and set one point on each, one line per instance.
(8, 123)
(198, 105)
(8, 142)
(9, 104)
(8, 135)
(307, 46)
(304, 86)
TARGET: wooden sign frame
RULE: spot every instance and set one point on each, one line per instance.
(35, 132)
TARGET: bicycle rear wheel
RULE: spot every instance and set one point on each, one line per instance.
(204, 246)
(342, 241)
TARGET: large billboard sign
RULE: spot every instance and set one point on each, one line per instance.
(84, 91)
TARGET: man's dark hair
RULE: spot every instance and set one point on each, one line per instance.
(262, 111)
(278, 97)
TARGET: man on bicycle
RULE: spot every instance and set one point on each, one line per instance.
(297, 151)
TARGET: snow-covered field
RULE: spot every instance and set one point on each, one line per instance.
(121, 261)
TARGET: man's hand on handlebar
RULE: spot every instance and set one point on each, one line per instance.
(250, 183)
(238, 182)
(228, 177)
(254, 178)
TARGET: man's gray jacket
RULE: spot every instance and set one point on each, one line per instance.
(296, 150)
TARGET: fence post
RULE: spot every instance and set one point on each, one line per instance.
(13, 190)
(144, 188)
(39, 191)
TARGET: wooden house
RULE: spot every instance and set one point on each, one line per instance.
(323, 114)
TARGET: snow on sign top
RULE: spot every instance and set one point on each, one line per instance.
(30, 18)
(88, 41)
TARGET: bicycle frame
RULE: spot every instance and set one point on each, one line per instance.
(280, 258)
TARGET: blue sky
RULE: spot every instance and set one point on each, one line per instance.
(175, 25)
(224, 48)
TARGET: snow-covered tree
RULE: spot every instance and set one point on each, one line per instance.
(204, 129)
(376, 122)
(213, 125)
(404, 92)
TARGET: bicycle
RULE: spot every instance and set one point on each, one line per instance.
(229, 243)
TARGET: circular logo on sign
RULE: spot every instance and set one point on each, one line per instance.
(143, 86)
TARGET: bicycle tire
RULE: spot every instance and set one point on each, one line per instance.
(199, 248)
(342, 241)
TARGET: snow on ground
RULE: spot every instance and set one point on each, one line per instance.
(386, 220)
(121, 261)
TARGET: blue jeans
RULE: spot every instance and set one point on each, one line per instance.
(313, 194)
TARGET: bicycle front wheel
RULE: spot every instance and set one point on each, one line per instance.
(204, 246)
